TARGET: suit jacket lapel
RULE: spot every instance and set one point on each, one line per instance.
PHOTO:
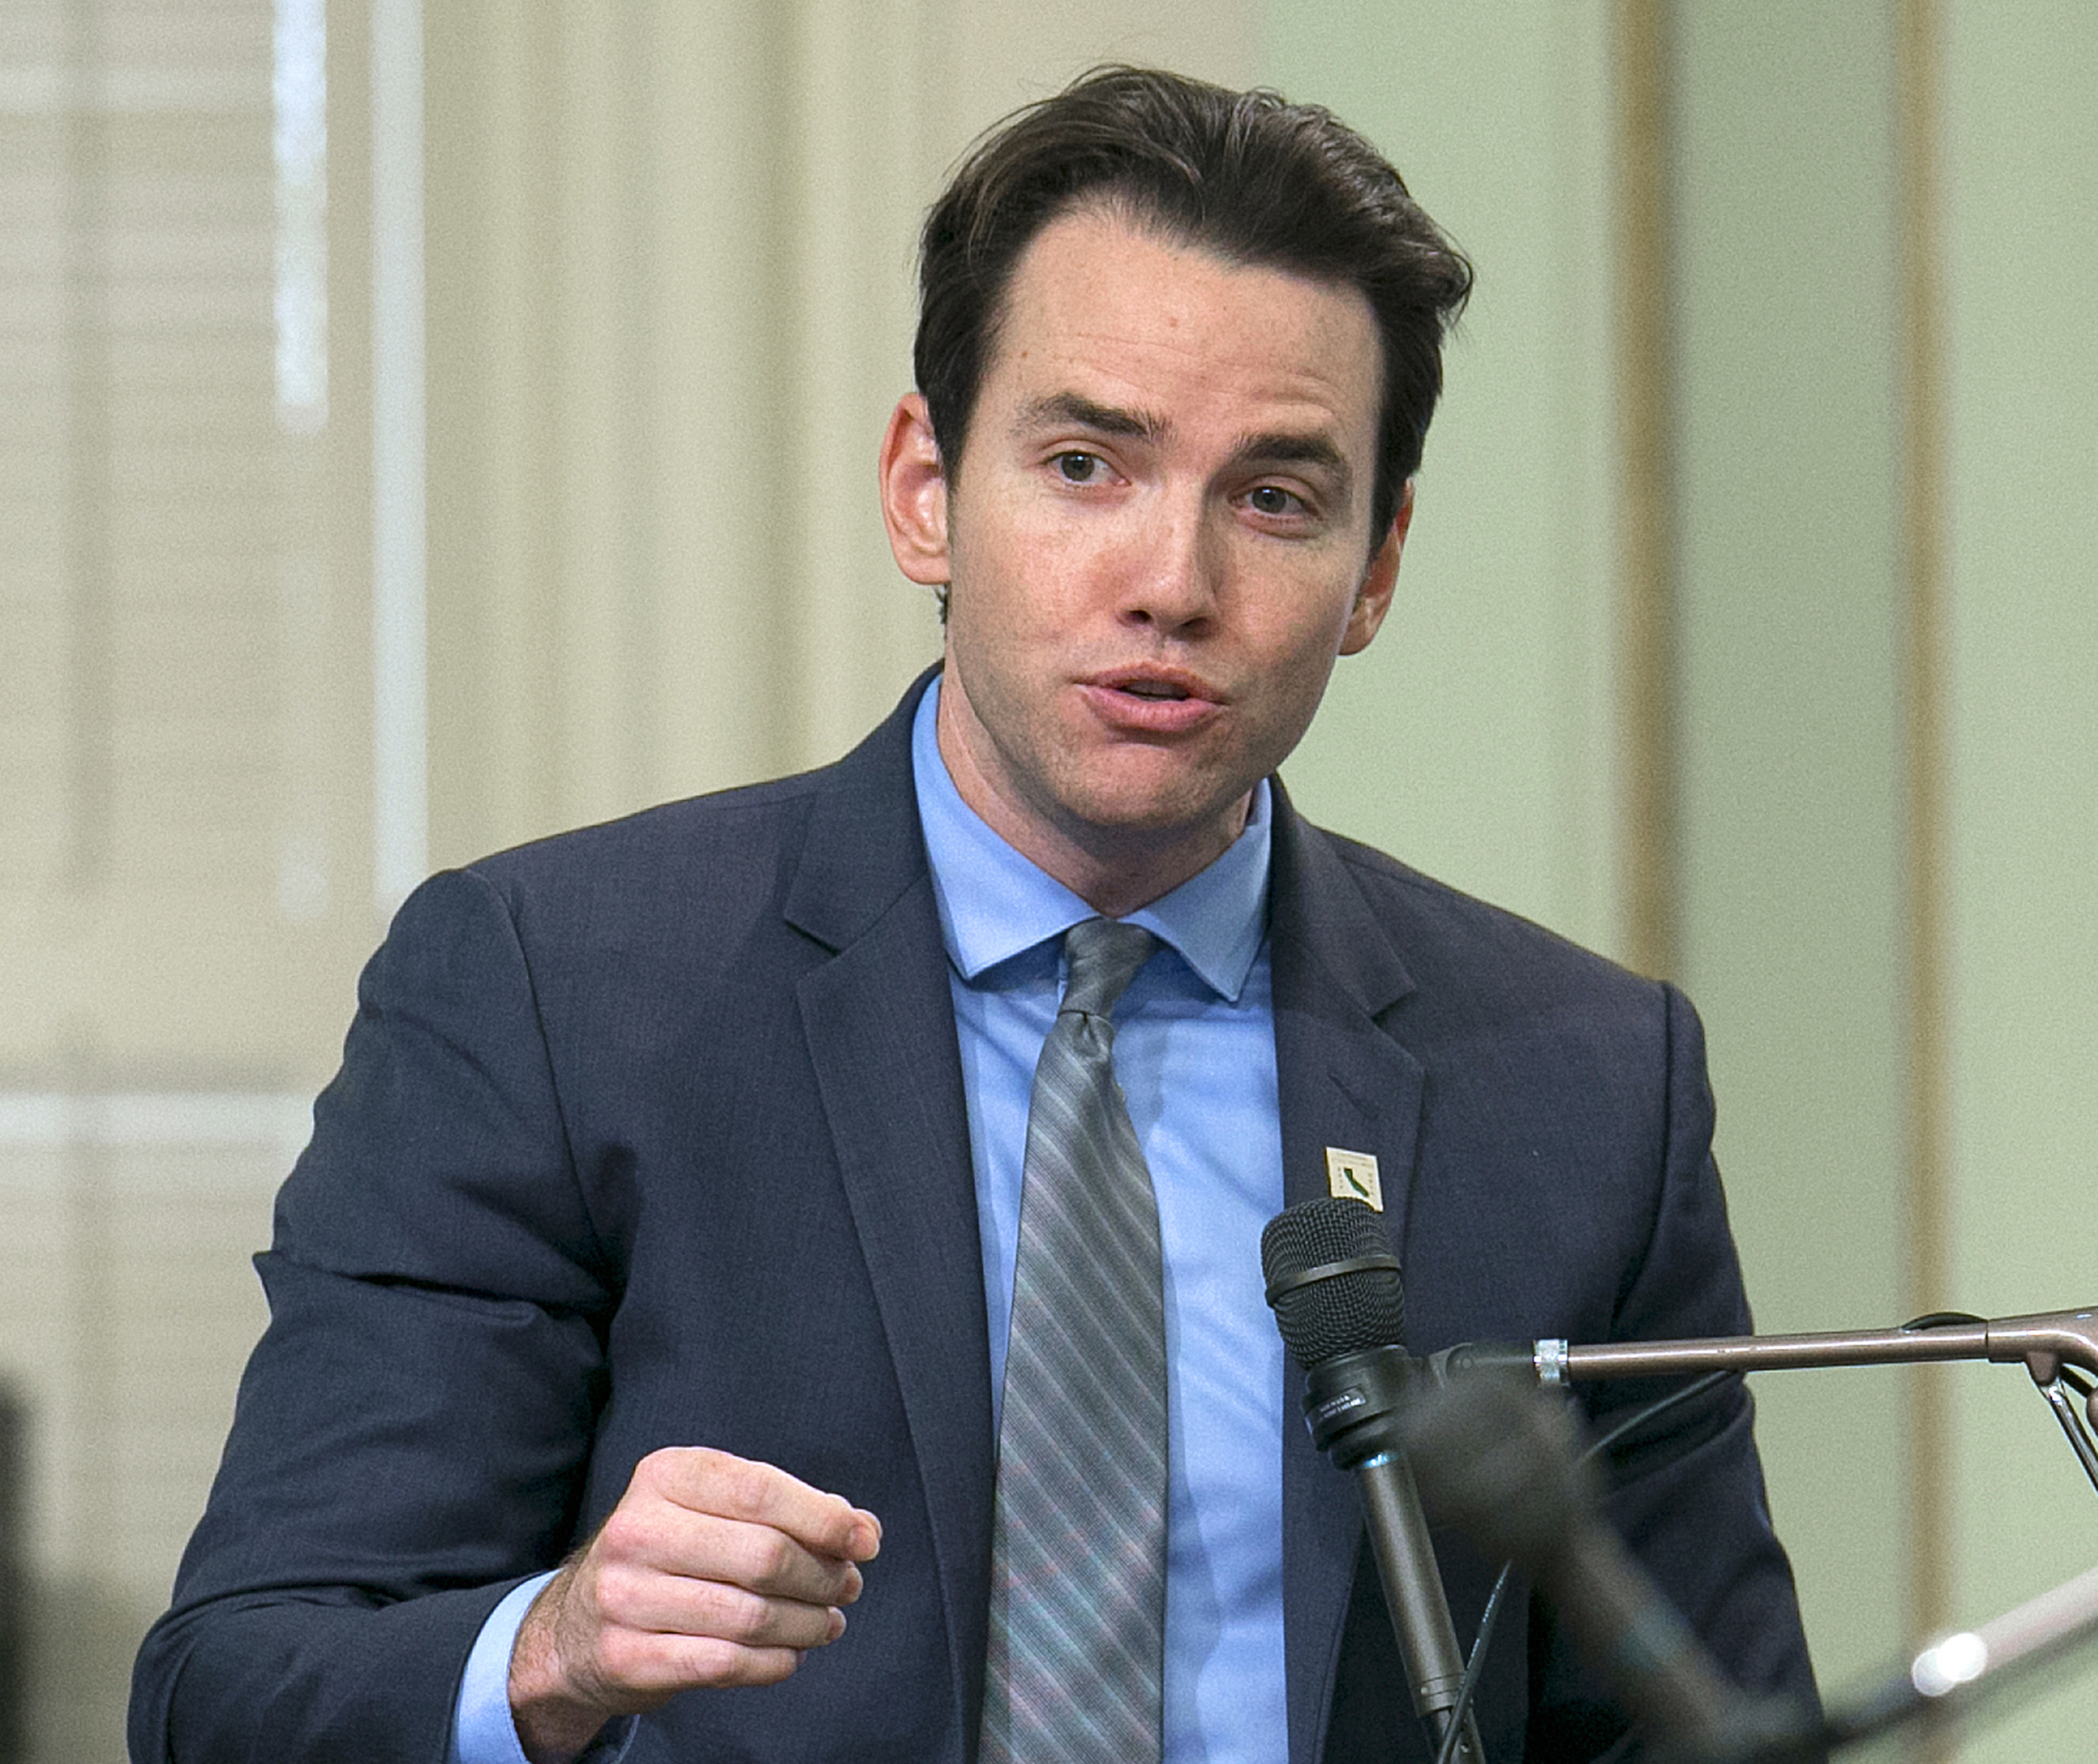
(1344, 1082)
(880, 1027)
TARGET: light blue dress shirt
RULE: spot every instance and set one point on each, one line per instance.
(1195, 1053)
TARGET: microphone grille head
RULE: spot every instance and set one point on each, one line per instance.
(1361, 1303)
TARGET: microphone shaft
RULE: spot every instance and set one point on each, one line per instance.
(1413, 1595)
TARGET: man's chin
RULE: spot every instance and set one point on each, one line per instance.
(1158, 818)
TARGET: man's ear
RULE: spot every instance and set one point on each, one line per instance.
(1373, 598)
(914, 493)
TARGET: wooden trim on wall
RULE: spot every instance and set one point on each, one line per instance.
(1917, 39)
(1650, 879)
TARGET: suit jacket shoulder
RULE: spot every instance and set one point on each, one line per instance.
(1541, 1122)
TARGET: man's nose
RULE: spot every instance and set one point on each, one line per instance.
(1176, 572)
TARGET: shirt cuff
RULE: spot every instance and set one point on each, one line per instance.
(483, 1730)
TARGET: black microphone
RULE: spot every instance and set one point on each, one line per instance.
(1338, 1299)
(1501, 1460)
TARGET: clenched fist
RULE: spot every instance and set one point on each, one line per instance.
(711, 1571)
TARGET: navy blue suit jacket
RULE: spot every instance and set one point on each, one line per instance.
(654, 1134)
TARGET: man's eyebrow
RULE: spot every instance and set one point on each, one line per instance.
(1275, 447)
(1073, 409)
(1289, 447)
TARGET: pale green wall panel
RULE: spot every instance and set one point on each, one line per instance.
(1790, 765)
(1475, 738)
(2021, 258)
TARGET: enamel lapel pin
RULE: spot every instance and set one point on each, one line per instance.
(1353, 1176)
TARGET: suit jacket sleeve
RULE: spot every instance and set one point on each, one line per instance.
(1687, 1491)
(650, 1134)
(409, 1437)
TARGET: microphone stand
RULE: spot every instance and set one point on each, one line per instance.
(1338, 1299)
(2058, 1349)
(1502, 1465)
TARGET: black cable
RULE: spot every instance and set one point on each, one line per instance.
(1469, 1683)
(1653, 1411)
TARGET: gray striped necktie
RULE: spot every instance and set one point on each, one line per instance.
(1077, 1611)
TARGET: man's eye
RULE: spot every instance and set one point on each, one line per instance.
(1079, 467)
(1272, 499)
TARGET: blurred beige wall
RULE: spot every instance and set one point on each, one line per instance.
(667, 262)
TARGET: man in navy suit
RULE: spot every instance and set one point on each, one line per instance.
(640, 1306)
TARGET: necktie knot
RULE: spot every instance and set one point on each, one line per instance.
(1104, 955)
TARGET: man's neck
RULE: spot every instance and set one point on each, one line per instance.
(1115, 870)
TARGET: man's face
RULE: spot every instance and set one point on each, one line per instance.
(1157, 545)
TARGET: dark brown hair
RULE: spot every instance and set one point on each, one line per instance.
(1243, 175)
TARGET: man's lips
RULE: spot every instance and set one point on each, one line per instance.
(1151, 700)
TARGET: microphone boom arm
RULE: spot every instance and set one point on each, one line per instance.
(2059, 1349)
(2064, 1335)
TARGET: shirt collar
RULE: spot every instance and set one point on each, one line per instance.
(994, 903)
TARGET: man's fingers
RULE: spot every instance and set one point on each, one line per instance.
(705, 1480)
(665, 1538)
(766, 1560)
(644, 1601)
